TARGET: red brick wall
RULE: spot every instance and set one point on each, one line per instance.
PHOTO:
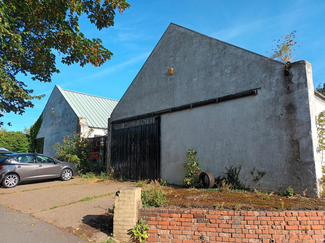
(204, 225)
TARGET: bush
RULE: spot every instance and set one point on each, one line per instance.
(230, 179)
(289, 192)
(14, 141)
(155, 196)
(77, 150)
(140, 232)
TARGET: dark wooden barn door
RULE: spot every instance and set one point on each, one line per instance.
(135, 149)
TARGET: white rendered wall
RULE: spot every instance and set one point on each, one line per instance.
(97, 132)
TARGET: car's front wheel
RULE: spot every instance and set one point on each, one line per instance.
(10, 180)
(66, 175)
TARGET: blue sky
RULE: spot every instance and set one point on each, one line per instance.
(250, 24)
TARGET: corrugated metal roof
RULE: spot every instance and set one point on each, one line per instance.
(95, 109)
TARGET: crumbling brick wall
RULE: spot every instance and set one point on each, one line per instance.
(204, 225)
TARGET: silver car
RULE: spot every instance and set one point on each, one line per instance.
(31, 166)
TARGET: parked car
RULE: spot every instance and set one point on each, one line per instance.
(4, 152)
(32, 166)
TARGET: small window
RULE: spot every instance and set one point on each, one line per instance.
(25, 159)
(44, 159)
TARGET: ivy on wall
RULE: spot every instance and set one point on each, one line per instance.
(33, 133)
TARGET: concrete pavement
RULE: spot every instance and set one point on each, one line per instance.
(71, 206)
(17, 227)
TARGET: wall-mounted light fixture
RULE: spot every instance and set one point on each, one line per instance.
(170, 71)
(52, 111)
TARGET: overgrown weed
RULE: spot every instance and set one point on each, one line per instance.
(155, 196)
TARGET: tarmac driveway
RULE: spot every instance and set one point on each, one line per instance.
(70, 205)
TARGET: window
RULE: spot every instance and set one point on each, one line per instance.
(44, 159)
(25, 159)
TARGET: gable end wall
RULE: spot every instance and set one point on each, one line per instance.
(55, 127)
(273, 131)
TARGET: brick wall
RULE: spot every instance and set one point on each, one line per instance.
(204, 225)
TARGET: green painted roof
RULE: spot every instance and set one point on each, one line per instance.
(95, 109)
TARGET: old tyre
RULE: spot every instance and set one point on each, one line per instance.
(206, 179)
(10, 180)
(66, 174)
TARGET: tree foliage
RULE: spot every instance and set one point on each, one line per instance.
(14, 141)
(284, 50)
(321, 130)
(31, 31)
(320, 89)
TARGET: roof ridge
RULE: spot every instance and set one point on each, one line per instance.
(88, 94)
(224, 42)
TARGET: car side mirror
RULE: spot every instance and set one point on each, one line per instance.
(55, 161)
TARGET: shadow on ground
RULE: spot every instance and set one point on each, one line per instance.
(102, 223)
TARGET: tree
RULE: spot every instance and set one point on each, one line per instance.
(31, 31)
(14, 141)
(320, 89)
(321, 130)
(2, 131)
(284, 50)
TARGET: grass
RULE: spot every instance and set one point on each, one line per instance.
(81, 200)
(39, 188)
(204, 196)
(238, 207)
(219, 206)
(265, 198)
(281, 205)
(142, 183)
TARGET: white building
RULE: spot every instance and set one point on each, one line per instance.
(68, 111)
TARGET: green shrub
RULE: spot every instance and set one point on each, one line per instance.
(77, 150)
(289, 192)
(140, 232)
(192, 170)
(230, 179)
(155, 196)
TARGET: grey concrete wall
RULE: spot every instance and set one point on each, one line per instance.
(270, 132)
(62, 123)
(273, 131)
(204, 67)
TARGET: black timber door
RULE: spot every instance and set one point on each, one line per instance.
(135, 149)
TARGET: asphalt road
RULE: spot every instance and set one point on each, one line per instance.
(17, 227)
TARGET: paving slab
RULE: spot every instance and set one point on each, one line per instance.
(34, 201)
(18, 227)
(75, 215)
(67, 205)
